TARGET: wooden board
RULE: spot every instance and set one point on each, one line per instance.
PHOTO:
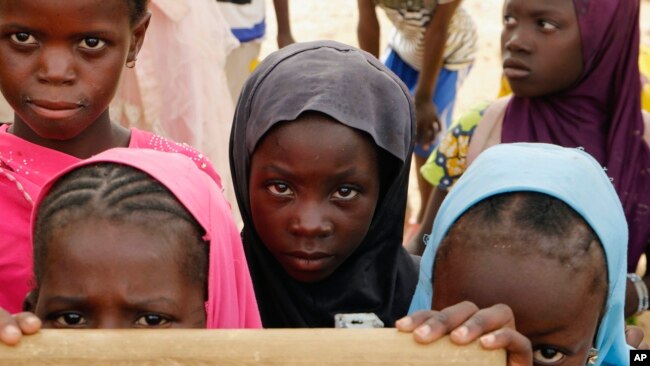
(241, 347)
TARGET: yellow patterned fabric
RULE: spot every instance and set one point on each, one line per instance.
(448, 162)
(644, 64)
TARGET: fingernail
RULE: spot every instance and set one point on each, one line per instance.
(488, 340)
(404, 322)
(461, 332)
(423, 331)
(11, 331)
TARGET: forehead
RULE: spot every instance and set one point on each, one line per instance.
(541, 7)
(55, 13)
(316, 138)
(128, 248)
(546, 297)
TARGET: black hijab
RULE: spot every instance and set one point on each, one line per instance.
(354, 88)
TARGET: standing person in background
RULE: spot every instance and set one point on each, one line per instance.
(178, 89)
(432, 49)
(247, 20)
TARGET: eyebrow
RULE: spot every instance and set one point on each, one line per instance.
(148, 302)
(65, 300)
(547, 332)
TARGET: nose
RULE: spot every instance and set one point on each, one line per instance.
(311, 220)
(56, 66)
(516, 40)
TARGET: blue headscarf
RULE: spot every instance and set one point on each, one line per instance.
(569, 175)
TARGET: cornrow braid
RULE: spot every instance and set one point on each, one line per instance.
(119, 194)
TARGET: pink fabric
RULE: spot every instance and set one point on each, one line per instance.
(178, 88)
(231, 300)
(24, 169)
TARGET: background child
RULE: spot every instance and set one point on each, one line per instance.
(575, 78)
(320, 154)
(136, 239)
(247, 21)
(61, 65)
(432, 48)
(522, 228)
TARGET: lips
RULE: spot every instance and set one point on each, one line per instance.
(515, 69)
(54, 110)
(308, 261)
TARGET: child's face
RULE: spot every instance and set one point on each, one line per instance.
(313, 188)
(553, 305)
(113, 275)
(541, 46)
(62, 60)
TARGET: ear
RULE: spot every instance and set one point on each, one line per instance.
(29, 304)
(137, 37)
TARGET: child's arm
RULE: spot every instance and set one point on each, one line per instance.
(435, 40)
(368, 27)
(465, 322)
(12, 327)
(285, 37)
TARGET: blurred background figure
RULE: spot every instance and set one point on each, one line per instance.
(247, 20)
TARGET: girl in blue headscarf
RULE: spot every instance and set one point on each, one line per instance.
(533, 233)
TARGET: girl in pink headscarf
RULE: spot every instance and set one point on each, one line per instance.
(135, 239)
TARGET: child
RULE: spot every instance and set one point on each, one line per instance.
(522, 228)
(136, 238)
(432, 48)
(61, 65)
(320, 154)
(247, 21)
(575, 79)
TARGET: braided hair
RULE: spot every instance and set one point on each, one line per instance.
(118, 194)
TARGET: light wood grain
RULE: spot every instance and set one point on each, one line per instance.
(240, 347)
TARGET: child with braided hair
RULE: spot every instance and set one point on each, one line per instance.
(61, 65)
(141, 231)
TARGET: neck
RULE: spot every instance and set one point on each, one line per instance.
(101, 135)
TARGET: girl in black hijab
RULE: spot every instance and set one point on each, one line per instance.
(320, 154)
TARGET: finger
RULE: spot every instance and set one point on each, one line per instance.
(633, 335)
(9, 332)
(441, 323)
(519, 348)
(436, 126)
(643, 345)
(482, 322)
(28, 322)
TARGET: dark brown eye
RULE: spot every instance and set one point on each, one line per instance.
(345, 193)
(152, 320)
(23, 38)
(92, 43)
(71, 319)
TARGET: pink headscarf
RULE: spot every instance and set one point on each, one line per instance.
(231, 300)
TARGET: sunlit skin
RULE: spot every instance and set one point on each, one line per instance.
(93, 278)
(553, 305)
(314, 186)
(541, 46)
(61, 64)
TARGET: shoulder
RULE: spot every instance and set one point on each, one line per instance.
(147, 140)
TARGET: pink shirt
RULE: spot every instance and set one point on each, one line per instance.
(24, 170)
